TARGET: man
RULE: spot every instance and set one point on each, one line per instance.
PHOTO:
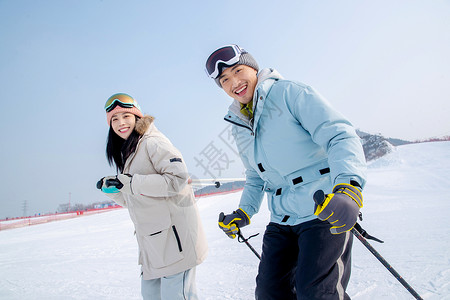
(292, 144)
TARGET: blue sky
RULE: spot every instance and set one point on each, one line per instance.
(384, 64)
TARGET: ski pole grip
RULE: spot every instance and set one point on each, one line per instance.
(319, 197)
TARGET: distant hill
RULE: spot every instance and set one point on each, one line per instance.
(376, 145)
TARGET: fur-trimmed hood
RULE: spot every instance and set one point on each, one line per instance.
(143, 124)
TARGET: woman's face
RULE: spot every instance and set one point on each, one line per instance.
(123, 124)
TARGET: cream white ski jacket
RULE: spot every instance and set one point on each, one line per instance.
(162, 207)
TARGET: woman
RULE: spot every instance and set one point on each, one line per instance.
(152, 182)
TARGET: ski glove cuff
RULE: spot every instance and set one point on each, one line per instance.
(341, 208)
(231, 223)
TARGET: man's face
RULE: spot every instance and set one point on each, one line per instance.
(239, 82)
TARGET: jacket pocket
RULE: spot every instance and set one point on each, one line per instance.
(161, 247)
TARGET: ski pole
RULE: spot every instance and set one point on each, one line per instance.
(241, 239)
(319, 198)
(385, 263)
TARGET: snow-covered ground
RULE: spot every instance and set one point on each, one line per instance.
(95, 257)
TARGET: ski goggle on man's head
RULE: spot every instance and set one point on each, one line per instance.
(226, 55)
(123, 100)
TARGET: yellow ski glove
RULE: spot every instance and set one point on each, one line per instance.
(231, 223)
(341, 208)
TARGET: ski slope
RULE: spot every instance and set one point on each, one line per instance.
(95, 257)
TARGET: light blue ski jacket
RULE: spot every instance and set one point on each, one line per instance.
(295, 144)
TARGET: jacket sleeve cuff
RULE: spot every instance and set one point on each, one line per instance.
(356, 181)
(249, 210)
(118, 198)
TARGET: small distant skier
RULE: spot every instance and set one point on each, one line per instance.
(153, 184)
(292, 143)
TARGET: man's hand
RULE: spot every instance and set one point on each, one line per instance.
(231, 223)
(341, 208)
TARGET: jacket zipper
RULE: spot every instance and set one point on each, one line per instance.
(240, 125)
(251, 120)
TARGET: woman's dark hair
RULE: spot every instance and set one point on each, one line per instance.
(118, 149)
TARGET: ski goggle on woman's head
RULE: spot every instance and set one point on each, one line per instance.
(226, 55)
(123, 100)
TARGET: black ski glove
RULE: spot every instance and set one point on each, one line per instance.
(108, 185)
(115, 184)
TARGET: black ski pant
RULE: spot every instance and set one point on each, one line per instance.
(305, 262)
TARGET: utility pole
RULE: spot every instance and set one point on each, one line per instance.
(25, 207)
(70, 194)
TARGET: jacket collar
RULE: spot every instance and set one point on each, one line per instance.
(266, 78)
